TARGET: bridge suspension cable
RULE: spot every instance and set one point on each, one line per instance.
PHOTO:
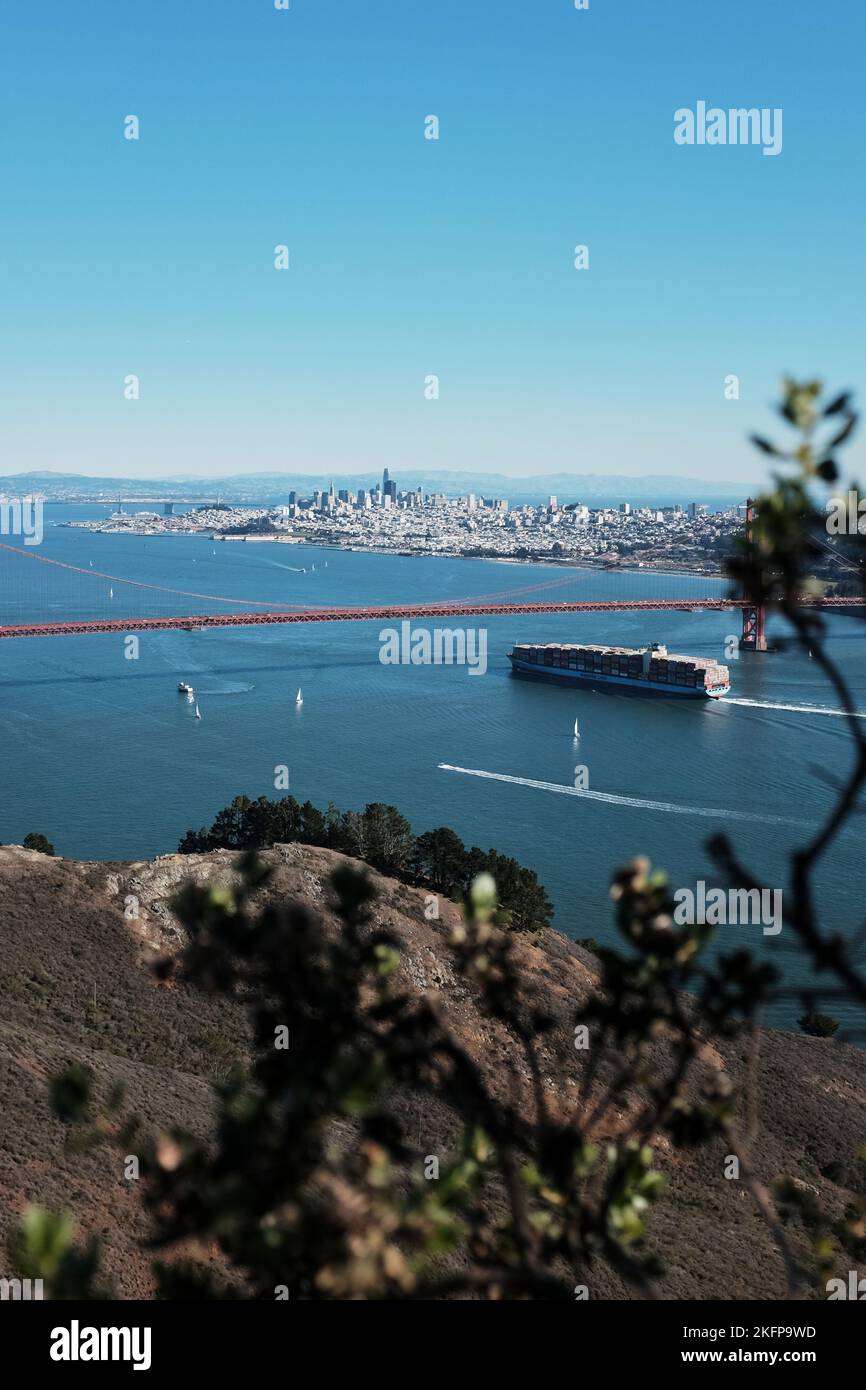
(256, 603)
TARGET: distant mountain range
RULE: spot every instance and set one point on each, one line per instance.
(271, 487)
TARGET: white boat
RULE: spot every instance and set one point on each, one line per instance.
(111, 593)
(197, 711)
(299, 699)
(184, 689)
(576, 729)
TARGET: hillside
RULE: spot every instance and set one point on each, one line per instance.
(76, 987)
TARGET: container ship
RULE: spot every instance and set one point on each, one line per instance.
(650, 670)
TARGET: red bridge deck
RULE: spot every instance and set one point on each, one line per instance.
(392, 613)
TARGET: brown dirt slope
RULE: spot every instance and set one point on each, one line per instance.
(75, 986)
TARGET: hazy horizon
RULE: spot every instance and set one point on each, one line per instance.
(187, 476)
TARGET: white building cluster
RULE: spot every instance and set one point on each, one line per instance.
(386, 518)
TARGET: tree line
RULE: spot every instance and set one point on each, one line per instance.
(382, 837)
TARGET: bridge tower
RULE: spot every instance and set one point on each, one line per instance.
(753, 638)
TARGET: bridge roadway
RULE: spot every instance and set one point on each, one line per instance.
(392, 613)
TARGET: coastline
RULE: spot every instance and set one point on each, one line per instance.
(550, 562)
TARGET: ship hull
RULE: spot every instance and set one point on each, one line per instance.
(625, 684)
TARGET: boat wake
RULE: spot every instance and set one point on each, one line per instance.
(796, 709)
(639, 803)
(225, 687)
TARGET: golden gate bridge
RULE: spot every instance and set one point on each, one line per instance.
(245, 612)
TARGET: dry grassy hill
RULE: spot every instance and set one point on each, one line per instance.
(75, 987)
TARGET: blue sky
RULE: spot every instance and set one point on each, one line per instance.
(412, 257)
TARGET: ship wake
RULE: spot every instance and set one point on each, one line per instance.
(638, 803)
(796, 709)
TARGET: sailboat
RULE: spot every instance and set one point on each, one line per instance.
(299, 699)
(576, 729)
(197, 711)
(111, 593)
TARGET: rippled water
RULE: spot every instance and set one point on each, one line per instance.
(104, 756)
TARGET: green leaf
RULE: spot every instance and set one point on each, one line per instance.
(43, 1238)
(70, 1093)
(842, 435)
(764, 445)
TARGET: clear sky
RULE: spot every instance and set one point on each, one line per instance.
(412, 257)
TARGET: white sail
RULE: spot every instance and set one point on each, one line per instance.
(299, 699)
(197, 711)
(111, 593)
(576, 729)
